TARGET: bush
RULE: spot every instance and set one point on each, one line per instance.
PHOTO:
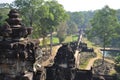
(117, 67)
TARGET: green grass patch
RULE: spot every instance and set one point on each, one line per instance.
(75, 37)
(71, 38)
(85, 58)
(68, 39)
(55, 40)
(90, 44)
(83, 66)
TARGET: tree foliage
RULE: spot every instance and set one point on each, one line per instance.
(72, 28)
(28, 10)
(62, 31)
(50, 15)
(4, 9)
(104, 24)
(77, 18)
(117, 64)
(42, 15)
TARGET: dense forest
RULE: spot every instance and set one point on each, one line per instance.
(100, 26)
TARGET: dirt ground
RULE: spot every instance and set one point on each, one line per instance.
(99, 56)
(51, 58)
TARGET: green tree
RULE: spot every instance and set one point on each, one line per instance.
(42, 15)
(28, 10)
(4, 9)
(61, 31)
(77, 18)
(3, 15)
(118, 14)
(72, 28)
(87, 15)
(50, 14)
(104, 24)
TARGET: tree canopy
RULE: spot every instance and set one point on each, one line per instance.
(72, 28)
(104, 24)
(50, 15)
(62, 31)
(42, 15)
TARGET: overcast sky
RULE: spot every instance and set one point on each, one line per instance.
(83, 5)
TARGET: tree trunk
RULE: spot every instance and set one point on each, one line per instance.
(45, 44)
(51, 43)
(103, 50)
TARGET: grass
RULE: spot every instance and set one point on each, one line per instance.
(71, 38)
(97, 52)
(92, 45)
(55, 40)
(112, 72)
(83, 66)
(89, 44)
(68, 39)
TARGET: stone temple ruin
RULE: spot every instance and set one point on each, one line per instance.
(64, 68)
(18, 55)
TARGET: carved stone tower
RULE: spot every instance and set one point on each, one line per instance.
(17, 53)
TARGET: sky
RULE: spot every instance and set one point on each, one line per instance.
(83, 5)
